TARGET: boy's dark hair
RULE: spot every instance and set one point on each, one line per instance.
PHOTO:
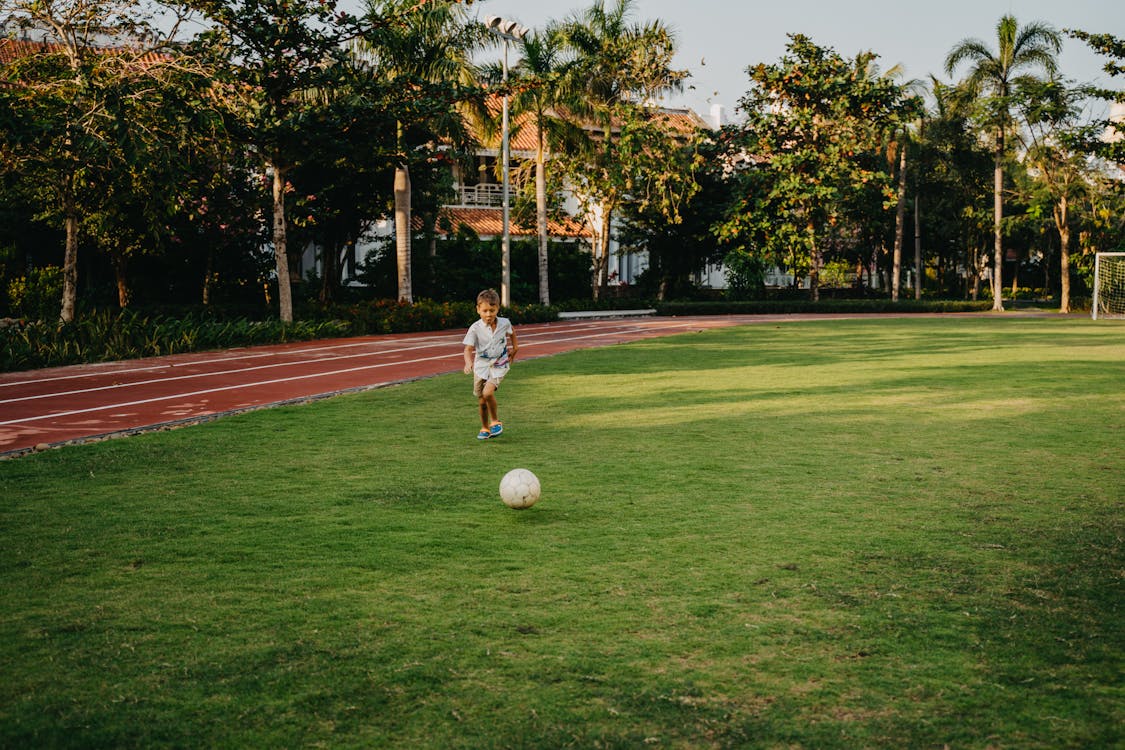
(490, 296)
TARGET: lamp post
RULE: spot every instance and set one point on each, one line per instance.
(509, 31)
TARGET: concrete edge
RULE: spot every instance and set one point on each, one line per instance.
(606, 314)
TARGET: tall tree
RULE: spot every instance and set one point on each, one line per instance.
(953, 170)
(993, 76)
(269, 57)
(425, 48)
(621, 65)
(541, 91)
(1052, 152)
(59, 105)
(814, 129)
(899, 142)
(1110, 143)
(677, 250)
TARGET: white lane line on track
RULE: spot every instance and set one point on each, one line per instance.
(102, 373)
(224, 388)
(456, 338)
(441, 341)
(198, 362)
(213, 373)
(281, 380)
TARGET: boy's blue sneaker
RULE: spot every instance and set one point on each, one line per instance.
(495, 429)
(483, 435)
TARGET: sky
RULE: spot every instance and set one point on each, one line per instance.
(718, 39)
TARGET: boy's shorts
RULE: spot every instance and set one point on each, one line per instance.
(478, 385)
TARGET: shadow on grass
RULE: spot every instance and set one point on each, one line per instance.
(987, 390)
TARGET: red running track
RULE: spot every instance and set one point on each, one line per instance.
(56, 406)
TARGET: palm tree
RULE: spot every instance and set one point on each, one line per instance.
(620, 64)
(419, 44)
(994, 76)
(540, 79)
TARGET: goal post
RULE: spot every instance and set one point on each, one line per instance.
(1109, 285)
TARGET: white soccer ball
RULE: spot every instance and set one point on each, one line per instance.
(519, 489)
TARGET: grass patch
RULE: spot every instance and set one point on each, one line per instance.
(899, 533)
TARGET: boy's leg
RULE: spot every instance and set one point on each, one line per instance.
(488, 396)
(478, 391)
(488, 405)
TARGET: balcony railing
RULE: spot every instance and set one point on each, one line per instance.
(483, 194)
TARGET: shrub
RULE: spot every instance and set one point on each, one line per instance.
(106, 336)
(38, 295)
(115, 335)
(790, 307)
(388, 316)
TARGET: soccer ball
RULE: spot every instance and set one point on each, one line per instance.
(519, 489)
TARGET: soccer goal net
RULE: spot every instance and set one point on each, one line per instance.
(1109, 285)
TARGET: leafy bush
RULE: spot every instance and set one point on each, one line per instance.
(388, 316)
(789, 307)
(745, 274)
(107, 336)
(36, 296)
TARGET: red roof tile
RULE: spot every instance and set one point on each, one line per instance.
(12, 50)
(489, 222)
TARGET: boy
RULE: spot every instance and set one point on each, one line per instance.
(490, 349)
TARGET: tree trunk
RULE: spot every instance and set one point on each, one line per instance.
(814, 272)
(329, 273)
(541, 222)
(919, 269)
(70, 262)
(208, 272)
(601, 254)
(881, 273)
(997, 231)
(976, 273)
(281, 247)
(402, 232)
(900, 215)
(1064, 253)
(120, 267)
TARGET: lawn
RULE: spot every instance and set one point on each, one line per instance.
(825, 534)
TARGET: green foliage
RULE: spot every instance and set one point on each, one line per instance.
(993, 76)
(36, 295)
(746, 274)
(815, 127)
(630, 156)
(390, 316)
(953, 176)
(834, 273)
(89, 130)
(826, 306)
(107, 336)
(1113, 49)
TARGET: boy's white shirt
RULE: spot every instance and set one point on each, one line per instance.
(491, 348)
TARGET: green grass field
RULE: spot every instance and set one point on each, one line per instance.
(873, 533)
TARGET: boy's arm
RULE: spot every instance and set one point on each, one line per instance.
(470, 353)
(513, 345)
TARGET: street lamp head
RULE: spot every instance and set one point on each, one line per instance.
(505, 29)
